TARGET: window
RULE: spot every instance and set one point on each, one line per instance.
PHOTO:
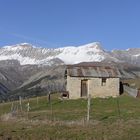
(65, 76)
(103, 81)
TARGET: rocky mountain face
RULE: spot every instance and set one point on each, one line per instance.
(43, 82)
(26, 70)
(29, 80)
(28, 54)
(93, 52)
(4, 91)
(131, 56)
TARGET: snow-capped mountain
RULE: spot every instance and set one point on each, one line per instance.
(131, 56)
(18, 79)
(28, 54)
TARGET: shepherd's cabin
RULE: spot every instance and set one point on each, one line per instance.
(98, 81)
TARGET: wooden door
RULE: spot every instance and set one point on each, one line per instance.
(84, 88)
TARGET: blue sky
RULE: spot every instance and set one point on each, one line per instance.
(57, 23)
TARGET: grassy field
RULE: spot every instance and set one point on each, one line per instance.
(110, 119)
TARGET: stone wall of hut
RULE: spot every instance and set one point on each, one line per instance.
(96, 87)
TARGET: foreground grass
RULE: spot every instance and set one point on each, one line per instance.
(119, 130)
(112, 118)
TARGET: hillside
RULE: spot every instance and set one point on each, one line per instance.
(111, 119)
(33, 80)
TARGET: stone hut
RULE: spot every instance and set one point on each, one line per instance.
(98, 81)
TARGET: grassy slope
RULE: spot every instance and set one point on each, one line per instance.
(67, 119)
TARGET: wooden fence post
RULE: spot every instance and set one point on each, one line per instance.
(20, 103)
(88, 108)
(37, 101)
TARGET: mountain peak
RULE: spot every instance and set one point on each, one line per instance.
(94, 45)
(19, 46)
(23, 45)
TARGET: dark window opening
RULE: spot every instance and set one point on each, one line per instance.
(65, 76)
(103, 81)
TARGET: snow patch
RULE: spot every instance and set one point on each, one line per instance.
(22, 60)
(85, 53)
(137, 55)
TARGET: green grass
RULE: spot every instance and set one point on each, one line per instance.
(110, 119)
(77, 109)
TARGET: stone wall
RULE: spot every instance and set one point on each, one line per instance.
(95, 87)
(109, 89)
(74, 87)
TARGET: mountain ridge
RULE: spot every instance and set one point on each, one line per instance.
(27, 53)
(27, 70)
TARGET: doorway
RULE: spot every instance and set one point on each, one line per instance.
(84, 88)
